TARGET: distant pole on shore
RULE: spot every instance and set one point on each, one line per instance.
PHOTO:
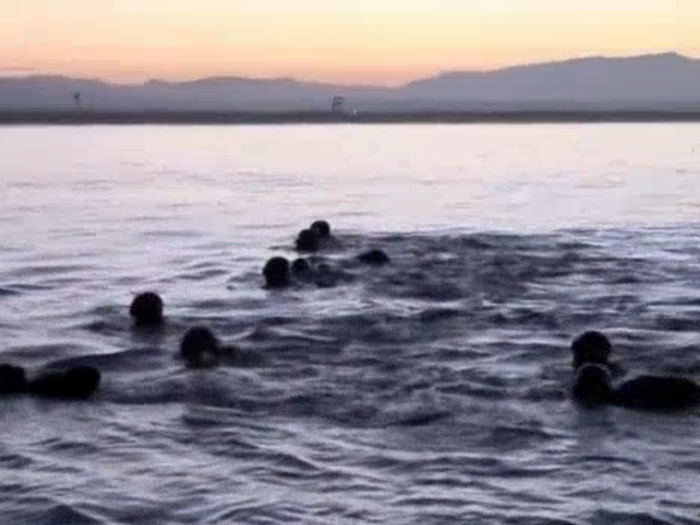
(338, 104)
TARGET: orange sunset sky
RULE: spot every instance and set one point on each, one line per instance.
(361, 41)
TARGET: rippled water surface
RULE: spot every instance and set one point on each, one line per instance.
(430, 391)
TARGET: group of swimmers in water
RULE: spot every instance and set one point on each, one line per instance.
(280, 273)
(598, 381)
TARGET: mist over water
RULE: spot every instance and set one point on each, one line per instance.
(433, 390)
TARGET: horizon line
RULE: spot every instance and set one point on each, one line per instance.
(24, 73)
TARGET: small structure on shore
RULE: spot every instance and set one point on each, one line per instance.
(338, 105)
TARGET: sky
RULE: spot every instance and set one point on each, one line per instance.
(362, 41)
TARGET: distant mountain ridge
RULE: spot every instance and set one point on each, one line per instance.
(667, 78)
(665, 81)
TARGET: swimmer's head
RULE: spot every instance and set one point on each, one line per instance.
(321, 228)
(147, 309)
(307, 241)
(276, 273)
(374, 257)
(302, 269)
(200, 348)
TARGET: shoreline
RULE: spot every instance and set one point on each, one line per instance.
(89, 117)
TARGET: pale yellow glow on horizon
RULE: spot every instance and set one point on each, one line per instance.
(366, 41)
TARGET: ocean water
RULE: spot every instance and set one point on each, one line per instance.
(430, 391)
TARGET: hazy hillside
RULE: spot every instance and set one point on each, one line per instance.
(668, 78)
(646, 82)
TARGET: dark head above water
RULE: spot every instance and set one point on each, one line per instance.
(591, 347)
(307, 241)
(200, 348)
(276, 273)
(78, 382)
(147, 309)
(13, 379)
(301, 269)
(374, 257)
(322, 229)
